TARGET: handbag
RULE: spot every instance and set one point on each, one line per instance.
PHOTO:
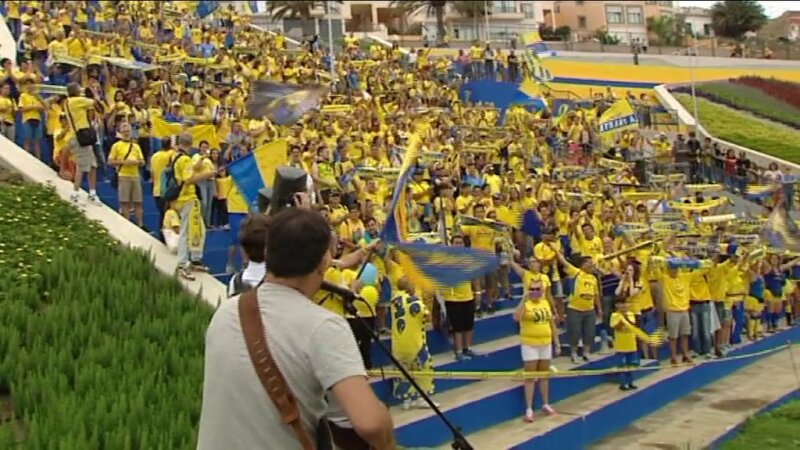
(85, 136)
(114, 176)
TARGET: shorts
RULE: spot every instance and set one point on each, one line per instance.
(461, 315)
(678, 324)
(129, 190)
(32, 130)
(235, 223)
(628, 359)
(490, 279)
(723, 314)
(536, 352)
(648, 320)
(85, 159)
(753, 304)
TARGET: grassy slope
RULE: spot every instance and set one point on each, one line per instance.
(776, 430)
(745, 130)
(97, 348)
(753, 100)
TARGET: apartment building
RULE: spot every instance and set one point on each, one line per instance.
(627, 20)
(697, 21)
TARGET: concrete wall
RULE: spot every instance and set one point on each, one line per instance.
(30, 168)
(687, 119)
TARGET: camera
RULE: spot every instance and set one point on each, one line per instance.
(288, 181)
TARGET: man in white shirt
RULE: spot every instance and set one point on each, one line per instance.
(313, 348)
(253, 240)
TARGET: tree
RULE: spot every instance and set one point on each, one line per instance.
(280, 10)
(732, 19)
(562, 33)
(669, 30)
(605, 38)
(435, 6)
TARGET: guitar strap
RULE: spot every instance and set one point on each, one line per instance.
(267, 369)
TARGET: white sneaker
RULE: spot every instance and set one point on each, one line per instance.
(93, 199)
(74, 197)
(422, 404)
(406, 404)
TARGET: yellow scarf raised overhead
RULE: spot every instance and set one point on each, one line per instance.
(620, 116)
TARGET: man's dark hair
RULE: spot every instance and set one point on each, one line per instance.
(298, 240)
(74, 90)
(253, 237)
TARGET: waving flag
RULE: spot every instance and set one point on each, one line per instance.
(257, 170)
(781, 232)
(206, 7)
(428, 266)
(620, 116)
(281, 103)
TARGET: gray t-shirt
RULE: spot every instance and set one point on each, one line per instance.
(314, 349)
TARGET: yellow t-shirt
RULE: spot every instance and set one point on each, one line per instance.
(461, 293)
(119, 151)
(26, 101)
(184, 169)
(171, 221)
(676, 291)
(76, 110)
(332, 303)
(408, 325)
(481, 237)
(158, 163)
(643, 299)
(585, 290)
(8, 109)
(624, 339)
(535, 325)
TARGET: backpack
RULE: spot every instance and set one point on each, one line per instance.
(170, 187)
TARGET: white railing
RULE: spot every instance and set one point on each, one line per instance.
(30, 168)
(287, 38)
(384, 42)
(687, 119)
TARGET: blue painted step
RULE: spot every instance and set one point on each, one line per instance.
(498, 408)
(614, 417)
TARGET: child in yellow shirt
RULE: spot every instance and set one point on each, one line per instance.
(171, 228)
(623, 321)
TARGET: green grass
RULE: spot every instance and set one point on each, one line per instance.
(745, 130)
(775, 430)
(753, 100)
(97, 349)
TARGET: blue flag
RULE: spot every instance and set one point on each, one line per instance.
(283, 104)
(206, 7)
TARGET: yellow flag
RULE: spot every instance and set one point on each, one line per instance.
(620, 116)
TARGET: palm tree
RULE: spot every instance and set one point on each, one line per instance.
(669, 30)
(280, 10)
(435, 6)
(733, 19)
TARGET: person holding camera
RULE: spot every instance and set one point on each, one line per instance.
(310, 351)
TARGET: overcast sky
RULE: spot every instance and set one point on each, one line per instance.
(773, 9)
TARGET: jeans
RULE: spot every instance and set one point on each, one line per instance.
(606, 333)
(207, 190)
(581, 326)
(700, 317)
(738, 322)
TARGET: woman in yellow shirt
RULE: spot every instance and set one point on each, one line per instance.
(538, 342)
(31, 107)
(8, 112)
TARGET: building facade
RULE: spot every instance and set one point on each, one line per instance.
(625, 20)
(698, 21)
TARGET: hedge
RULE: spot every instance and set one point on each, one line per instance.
(777, 429)
(97, 349)
(742, 129)
(746, 98)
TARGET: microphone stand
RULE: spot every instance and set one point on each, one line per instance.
(459, 440)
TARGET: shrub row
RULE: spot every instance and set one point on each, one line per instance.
(97, 349)
(783, 90)
(742, 129)
(749, 99)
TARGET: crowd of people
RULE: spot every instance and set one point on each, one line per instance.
(473, 182)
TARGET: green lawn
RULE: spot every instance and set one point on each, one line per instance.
(776, 430)
(751, 99)
(97, 349)
(745, 130)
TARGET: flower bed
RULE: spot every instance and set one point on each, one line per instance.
(750, 99)
(783, 90)
(742, 129)
(774, 430)
(97, 349)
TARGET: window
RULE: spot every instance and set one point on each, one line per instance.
(582, 22)
(557, 8)
(614, 14)
(707, 29)
(504, 7)
(527, 9)
(635, 15)
(667, 4)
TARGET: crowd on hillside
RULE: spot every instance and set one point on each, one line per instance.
(473, 182)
